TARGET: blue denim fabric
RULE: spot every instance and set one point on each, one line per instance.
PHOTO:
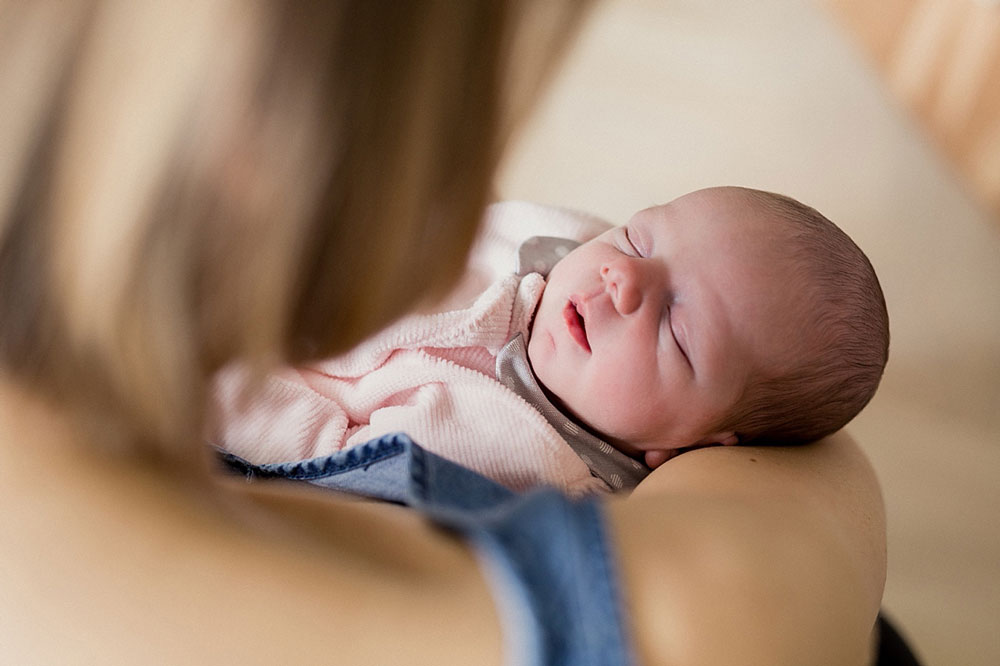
(549, 555)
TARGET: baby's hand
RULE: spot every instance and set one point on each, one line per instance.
(656, 458)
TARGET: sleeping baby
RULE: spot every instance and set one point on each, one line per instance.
(727, 316)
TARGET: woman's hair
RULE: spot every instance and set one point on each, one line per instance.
(186, 183)
(838, 332)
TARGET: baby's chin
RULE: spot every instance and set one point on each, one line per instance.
(579, 420)
(620, 444)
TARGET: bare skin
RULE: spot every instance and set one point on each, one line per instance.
(756, 555)
(728, 555)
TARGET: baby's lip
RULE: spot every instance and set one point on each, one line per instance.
(576, 325)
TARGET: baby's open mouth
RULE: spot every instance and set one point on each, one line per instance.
(576, 325)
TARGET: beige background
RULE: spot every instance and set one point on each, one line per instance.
(941, 58)
(662, 97)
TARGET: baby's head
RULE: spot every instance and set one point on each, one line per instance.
(725, 316)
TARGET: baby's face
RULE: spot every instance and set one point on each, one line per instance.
(650, 332)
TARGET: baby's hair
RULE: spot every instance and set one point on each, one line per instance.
(845, 340)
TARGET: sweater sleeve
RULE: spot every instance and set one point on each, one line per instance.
(276, 419)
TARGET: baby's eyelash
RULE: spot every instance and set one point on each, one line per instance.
(628, 239)
(677, 341)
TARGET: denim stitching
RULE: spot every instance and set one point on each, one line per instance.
(366, 455)
(418, 473)
(307, 469)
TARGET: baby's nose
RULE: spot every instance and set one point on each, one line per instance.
(623, 283)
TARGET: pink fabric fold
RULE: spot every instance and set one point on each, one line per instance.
(428, 375)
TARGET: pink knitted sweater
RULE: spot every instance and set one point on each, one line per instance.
(428, 375)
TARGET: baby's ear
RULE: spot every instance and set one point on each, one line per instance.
(724, 438)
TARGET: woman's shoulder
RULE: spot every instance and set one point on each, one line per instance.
(755, 555)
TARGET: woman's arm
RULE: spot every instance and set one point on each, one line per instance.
(766, 556)
(755, 555)
(728, 555)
